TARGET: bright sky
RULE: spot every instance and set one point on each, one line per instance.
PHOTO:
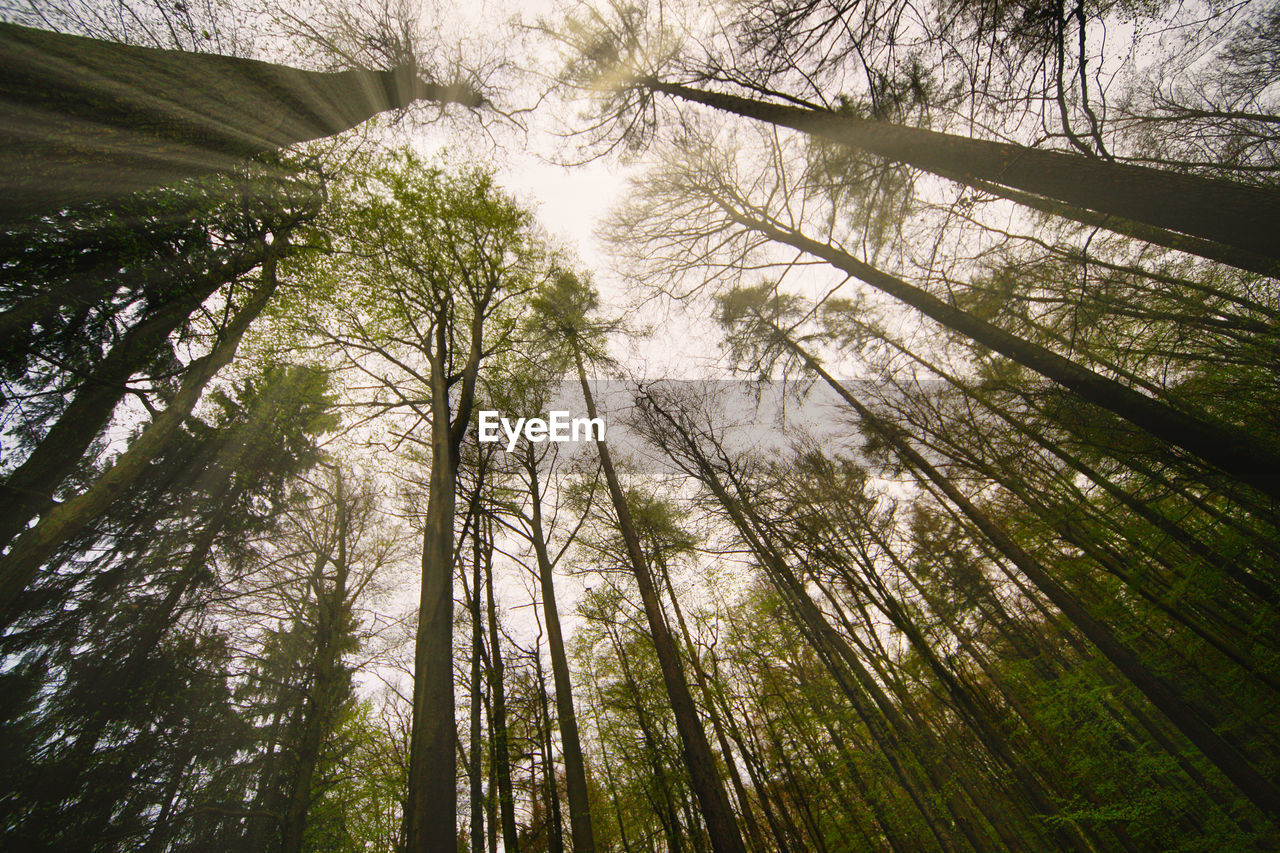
(571, 201)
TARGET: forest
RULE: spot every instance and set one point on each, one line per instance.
(935, 348)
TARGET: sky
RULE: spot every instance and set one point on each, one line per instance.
(571, 194)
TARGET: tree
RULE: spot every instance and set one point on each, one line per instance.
(101, 119)
(536, 525)
(564, 308)
(717, 207)
(32, 548)
(1172, 204)
(1167, 206)
(237, 227)
(439, 262)
(139, 687)
(1165, 696)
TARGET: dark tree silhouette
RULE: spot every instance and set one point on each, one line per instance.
(83, 119)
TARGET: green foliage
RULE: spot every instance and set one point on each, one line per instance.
(564, 320)
(874, 667)
(359, 788)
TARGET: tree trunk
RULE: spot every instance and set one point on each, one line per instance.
(712, 799)
(432, 805)
(477, 709)
(1230, 255)
(83, 119)
(39, 308)
(1234, 216)
(501, 750)
(754, 835)
(574, 768)
(883, 718)
(1223, 562)
(160, 619)
(1240, 455)
(555, 821)
(666, 809)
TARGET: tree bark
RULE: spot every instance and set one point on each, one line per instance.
(83, 119)
(1180, 533)
(39, 308)
(754, 835)
(1238, 454)
(665, 808)
(555, 821)
(881, 716)
(477, 652)
(432, 805)
(712, 798)
(1234, 216)
(1230, 255)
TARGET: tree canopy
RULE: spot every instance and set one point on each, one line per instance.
(927, 496)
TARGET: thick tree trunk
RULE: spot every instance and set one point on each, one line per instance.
(432, 805)
(1238, 454)
(712, 798)
(574, 767)
(37, 544)
(1230, 255)
(1233, 216)
(83, 119)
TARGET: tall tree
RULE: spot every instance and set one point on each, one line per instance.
(439, 262)
(100, 119)
(636, 58)
(107, 631)
(500, 732)
(237, 227)
(564, 308)
(538, 532)
(33, 547)
(719, 207)
(1164, 695)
